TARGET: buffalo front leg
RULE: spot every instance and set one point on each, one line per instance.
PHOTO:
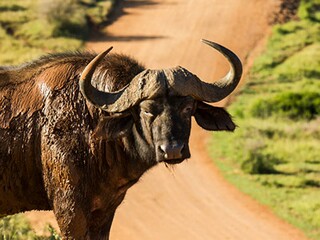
(63, 186)
(67, 202)
(70, 216)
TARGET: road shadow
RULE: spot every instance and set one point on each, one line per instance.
(119, 10)
(121, 6)
(111, 38)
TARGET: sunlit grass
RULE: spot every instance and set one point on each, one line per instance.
(16, 227)
(274, 155)
(30, 28)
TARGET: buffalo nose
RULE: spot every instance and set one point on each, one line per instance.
(173, 151)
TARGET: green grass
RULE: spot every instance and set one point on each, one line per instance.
(31, 28)
(274, 155)
(17, 227)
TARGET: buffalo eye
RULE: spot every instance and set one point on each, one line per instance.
(187, 110)
(147, 114)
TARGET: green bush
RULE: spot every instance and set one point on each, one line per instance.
(286, 43)
(292, 105)
(258, 163)
(67, 17)
(32, 28)
(310, 10)
(15, 227)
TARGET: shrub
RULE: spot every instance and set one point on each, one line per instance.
(15, 227)
(258, 163)
(67, 17)
(310, 10)
(292, 105)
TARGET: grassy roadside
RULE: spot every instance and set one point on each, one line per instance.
(274, 155)
(31, 28)
(17, 227)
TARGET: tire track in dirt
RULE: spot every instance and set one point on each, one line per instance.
(193, 201)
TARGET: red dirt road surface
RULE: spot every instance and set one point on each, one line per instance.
(193, 201)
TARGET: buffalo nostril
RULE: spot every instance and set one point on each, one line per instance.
(173, 151)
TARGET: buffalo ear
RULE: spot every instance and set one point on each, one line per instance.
(113, 127)
(213, 118)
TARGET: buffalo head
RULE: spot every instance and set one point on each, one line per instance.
(156, 107)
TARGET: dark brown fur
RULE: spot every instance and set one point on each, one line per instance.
(47, 152)
(59, 152)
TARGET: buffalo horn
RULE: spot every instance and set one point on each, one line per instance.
(152, 83)
(147, 84)
(188, 84)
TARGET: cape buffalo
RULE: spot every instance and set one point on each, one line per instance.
(77, 130)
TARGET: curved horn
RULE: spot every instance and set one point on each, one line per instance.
(191, 85)
(147, 84)
(92, 94)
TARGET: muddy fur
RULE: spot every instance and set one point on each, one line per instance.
(59, 152)
(48, 158)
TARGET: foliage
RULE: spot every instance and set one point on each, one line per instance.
(67, 18)
(31, 28)
(310, 10)
(293, 105)
(274, 154)
(257, 163)
(15, 227)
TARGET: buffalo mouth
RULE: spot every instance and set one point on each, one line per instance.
(174, 161)
(173, 153)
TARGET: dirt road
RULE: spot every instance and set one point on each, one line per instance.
(192, 201)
